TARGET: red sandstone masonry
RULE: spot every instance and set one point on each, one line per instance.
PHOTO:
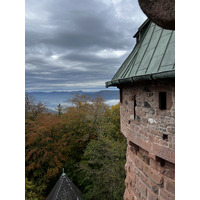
(170, 186)
(156, 177)
(152, 196)
(143, 181)
(150, 168)
(166, 195)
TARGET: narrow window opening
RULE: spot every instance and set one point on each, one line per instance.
(134, 106)
(165, 137)
(162, 100)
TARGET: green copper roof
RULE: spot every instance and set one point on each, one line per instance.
(153, 56)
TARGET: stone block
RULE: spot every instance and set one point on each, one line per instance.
(146, 104)
(164, 152)
(141, 187)
(138, 163)
(153, 174)
(169, 101)
(146, 159)
(152, 163)
(171, 130)
(155, 189)
(166, 195)
(169, 173)
(170, 186)
(150, 185)
(152, 111)
(152, 195)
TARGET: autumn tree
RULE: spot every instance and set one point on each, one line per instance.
(86, 119)
(85, 134)
(32, 110)
(46, 148)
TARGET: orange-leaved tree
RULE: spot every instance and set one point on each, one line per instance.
(46, 148)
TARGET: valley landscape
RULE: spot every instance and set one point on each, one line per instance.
(52, 99)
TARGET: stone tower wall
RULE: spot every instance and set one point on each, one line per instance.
(150, 133)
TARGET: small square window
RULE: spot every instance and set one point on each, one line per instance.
(165, 137)
(163, 100)
(134, 106)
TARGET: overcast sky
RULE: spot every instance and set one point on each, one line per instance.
(77, 44)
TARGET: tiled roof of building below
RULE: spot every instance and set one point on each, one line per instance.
(153, 56)
(64, 190)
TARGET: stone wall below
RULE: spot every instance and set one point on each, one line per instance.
(150, 133)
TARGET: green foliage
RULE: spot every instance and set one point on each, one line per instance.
(59, 109)
(102, 169)
(86, 116)
(85, 139)
(32, 191)
(113, 127)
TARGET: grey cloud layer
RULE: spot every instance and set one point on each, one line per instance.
(77, 44)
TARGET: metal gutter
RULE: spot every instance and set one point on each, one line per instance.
(148, 77)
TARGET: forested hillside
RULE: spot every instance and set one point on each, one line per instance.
(84, 139)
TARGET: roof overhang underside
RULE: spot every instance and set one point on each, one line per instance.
(147, 77)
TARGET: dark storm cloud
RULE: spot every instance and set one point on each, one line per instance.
(77, 44)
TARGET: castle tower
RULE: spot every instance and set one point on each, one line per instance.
(146, 81)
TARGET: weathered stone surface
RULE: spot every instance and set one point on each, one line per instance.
(161, 12)
(150, 168)
(146, 104)
(170, 186)
(153, 175)
(152, 196)
(164, 153)
(166, 195)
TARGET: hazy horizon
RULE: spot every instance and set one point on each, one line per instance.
(83, 90)
(52, 99)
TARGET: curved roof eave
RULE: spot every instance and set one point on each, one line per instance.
(160, 75)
